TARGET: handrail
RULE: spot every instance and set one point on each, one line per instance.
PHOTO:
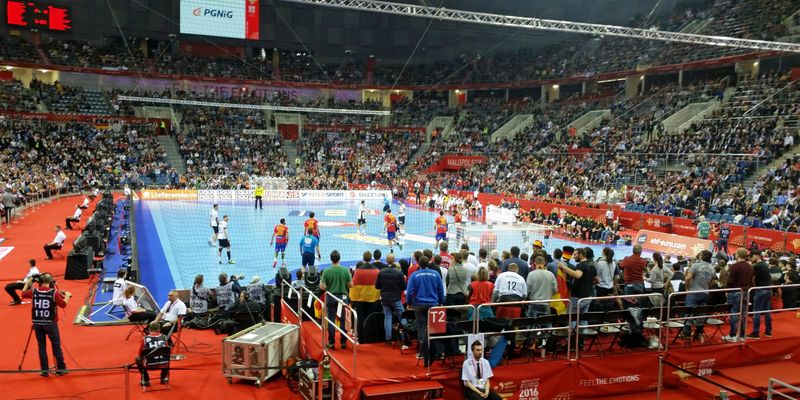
(528, 302)
(754, 313)
(444, 308)
(620, 297)
(288, 295)
(771, 389)
(742, 304)
(309, 303)
(354, 321)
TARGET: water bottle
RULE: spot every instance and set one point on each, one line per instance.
(723, 395)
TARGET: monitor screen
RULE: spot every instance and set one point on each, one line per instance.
(238, 19)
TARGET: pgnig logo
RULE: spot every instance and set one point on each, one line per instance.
(642, 238)
(210, 12)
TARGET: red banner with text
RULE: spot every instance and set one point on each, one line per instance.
(765, 238)
(611, 376)
(657, 223)
(666, 243)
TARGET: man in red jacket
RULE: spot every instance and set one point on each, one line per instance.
(44, 314)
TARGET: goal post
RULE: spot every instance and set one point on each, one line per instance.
(498, 236)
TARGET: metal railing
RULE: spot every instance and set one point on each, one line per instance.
(774, 384)
(567, 328)
(670, 302)
(439, 314)
(342, 310)
(757, 313)
(579, 327)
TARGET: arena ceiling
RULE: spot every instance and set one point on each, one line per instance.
(333, 35)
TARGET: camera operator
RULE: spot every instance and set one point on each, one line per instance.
(227, 292)
(11, 288)
(44, 315)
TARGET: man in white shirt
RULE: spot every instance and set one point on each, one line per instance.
(213, 217)
(56, 244)
(171, 311)
(85, 204)
(476, 373)
(12, 288)
(76, 217)
(224, 240)
(118, 297)
(362, 219)
(401, 217)
(510, 286)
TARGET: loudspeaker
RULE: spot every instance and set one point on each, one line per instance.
(78, 265)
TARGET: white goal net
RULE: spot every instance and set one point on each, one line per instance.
(498, 236)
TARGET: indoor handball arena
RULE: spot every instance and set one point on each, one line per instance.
(400, 200)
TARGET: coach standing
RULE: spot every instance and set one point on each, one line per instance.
(45, 321)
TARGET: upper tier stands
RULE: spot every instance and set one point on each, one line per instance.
(754, 19)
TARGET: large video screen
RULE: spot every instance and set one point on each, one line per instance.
(236, 19)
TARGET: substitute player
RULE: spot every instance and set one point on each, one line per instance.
(313, 224)
(401, 217)
(280, 235)
(362, 219)
(214, 222)
(390, 225)
(224, 240)
(308, 245)
(440, 225)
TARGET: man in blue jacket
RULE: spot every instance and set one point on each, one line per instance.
(425, 290)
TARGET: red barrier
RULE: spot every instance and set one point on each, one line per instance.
(684, 227)
(765, 238)
(611, 376)
(793, 242)
(630, 219)
(737, 234)
(657, 223)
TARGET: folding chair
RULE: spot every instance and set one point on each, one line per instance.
(137, 325)
(157, 360)
(718, 321)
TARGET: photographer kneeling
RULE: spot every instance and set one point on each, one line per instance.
(44, 314)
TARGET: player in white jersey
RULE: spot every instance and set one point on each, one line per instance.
(401, 217)
(362, 219)
(224, 240)
(213, 217)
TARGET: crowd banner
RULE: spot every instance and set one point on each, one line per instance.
(497, 214)
(765, 238)
(164, 194)
(612, 376)
(666, 243)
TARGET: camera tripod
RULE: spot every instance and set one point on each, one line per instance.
(25, 352)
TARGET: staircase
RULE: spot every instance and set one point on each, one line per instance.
(514, 125)
(683, 119)
(170, 145)
(423, 149)
(446, 124)
(764, 169)
(590, 120)
(291, 151)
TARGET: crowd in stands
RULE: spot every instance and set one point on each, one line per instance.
(15, 97)
(38, 157)
(219, 154)
(334, 159)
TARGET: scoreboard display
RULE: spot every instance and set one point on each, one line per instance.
(37, 15)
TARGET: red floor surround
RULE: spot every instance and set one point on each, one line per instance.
(623, 376)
